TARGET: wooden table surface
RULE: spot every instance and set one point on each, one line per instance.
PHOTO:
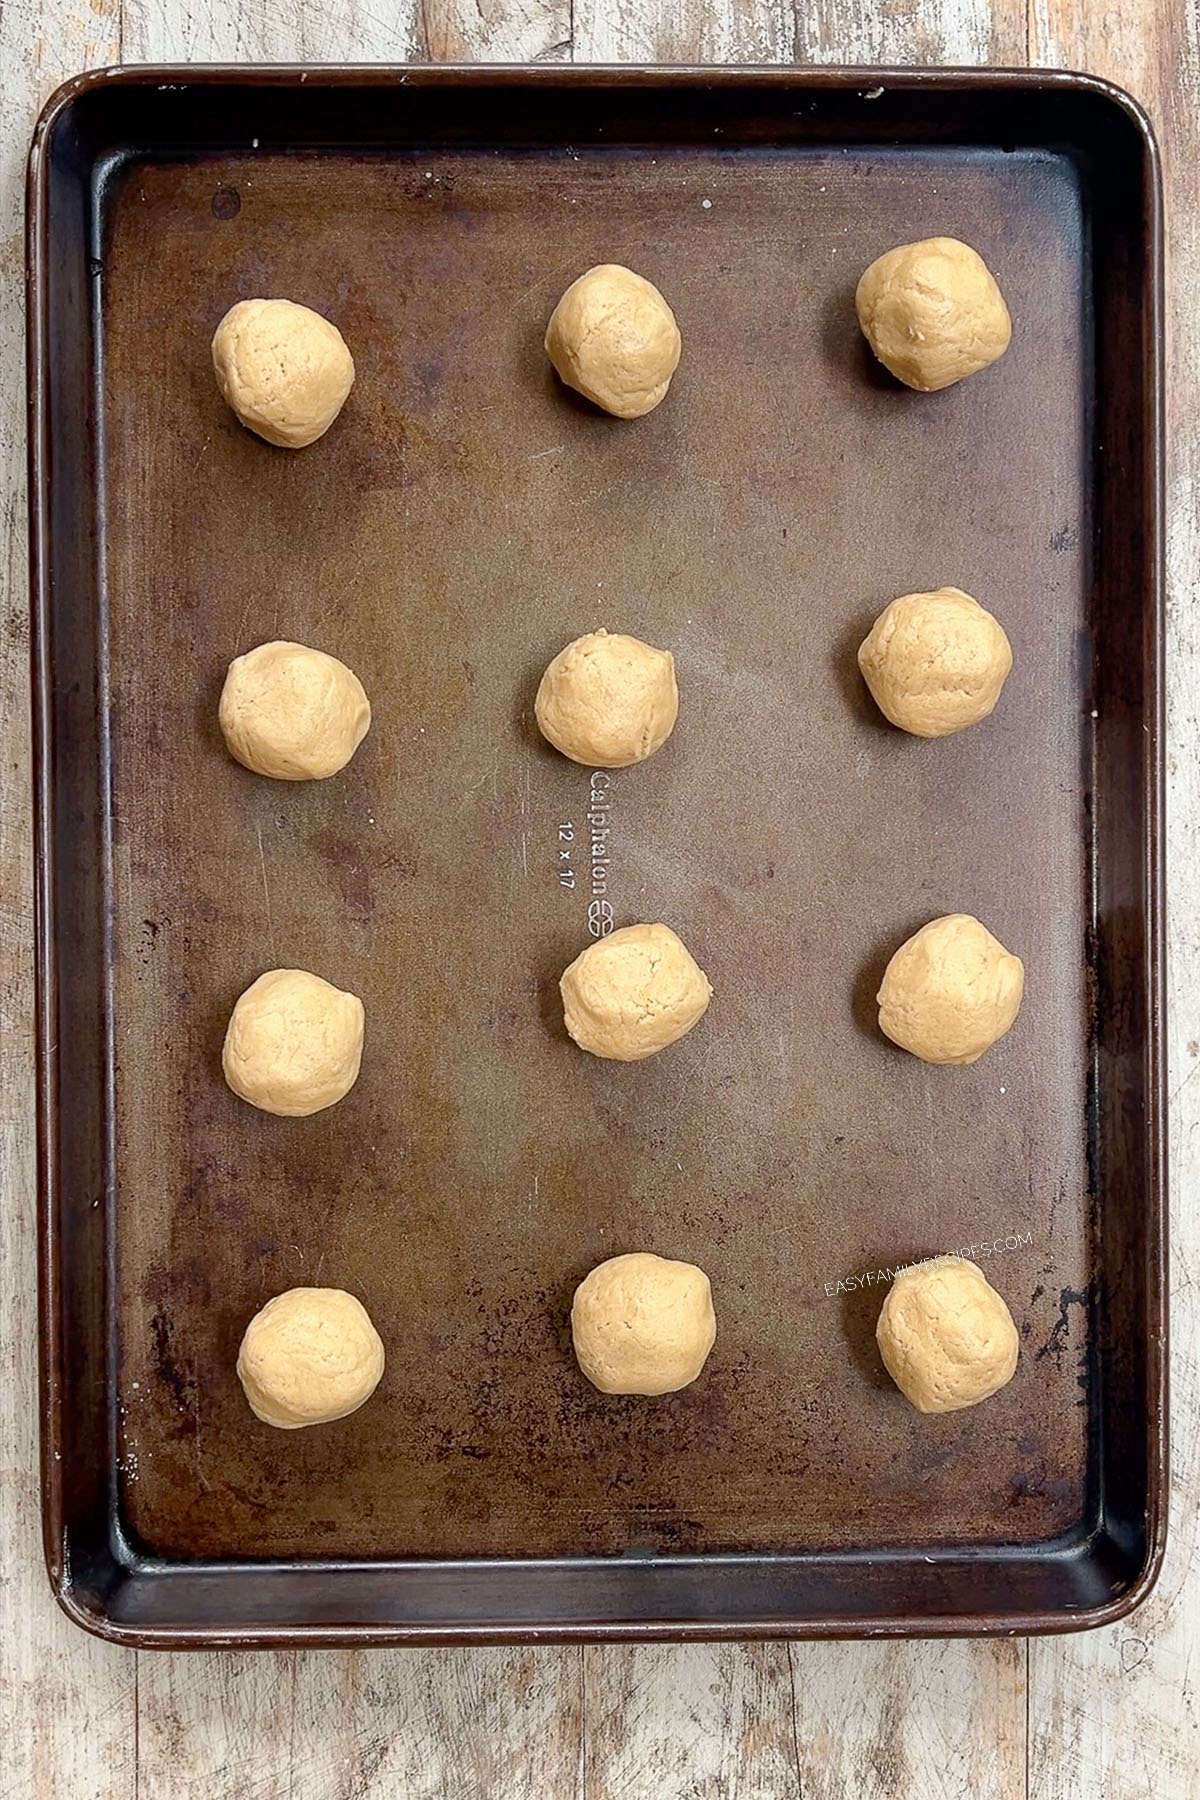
(1108, 1715)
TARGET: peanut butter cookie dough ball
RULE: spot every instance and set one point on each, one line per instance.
(634, 992)
(283, 369)
(294, 1043)
(642, 1324)
(309, 1356)
(946, 1336)
(608, 700)
(950, 991)
(613, 338)
(935, 663)
(293, 713)
(932, 313)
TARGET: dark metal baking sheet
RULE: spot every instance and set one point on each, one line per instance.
(463, 520)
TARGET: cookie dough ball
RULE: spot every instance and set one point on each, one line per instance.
(932, 313)
(283, 369)
(309, 1356)
(935, 663)
(292, 712)
(608, 700)
(634, 992)
(950, 991)
(946, 1337)
(642, 1324)
(294, 1043)
(613, 338)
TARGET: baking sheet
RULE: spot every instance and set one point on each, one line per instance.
(463, 519)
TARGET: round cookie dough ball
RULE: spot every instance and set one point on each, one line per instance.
(642, 1324)
(614, 339)
(292, 712)
(294, 1043)
(950, 991)
(283, 369)
(309, 1356)
(932, 313)
(608, 700)
(946, 1337)
(634, 992)
(935, 663)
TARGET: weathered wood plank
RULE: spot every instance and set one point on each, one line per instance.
(942, 1720)
(331, 1725)
(66, 1701)
(496, 30)
(689, 1722)
(269, 31)
(505, 1724)
(684, 31)
(1117, 1712)
(910, 31)
(221, 1723)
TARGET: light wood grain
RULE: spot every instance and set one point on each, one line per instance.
(1117, 1712)
(1111, 1714)
(343, 1725)
(689, 1722)
(66, 1701)
(282, 31)
(496, 30)
(684, 31)
(506, 1723)
(879, 1720)
(910, 31)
